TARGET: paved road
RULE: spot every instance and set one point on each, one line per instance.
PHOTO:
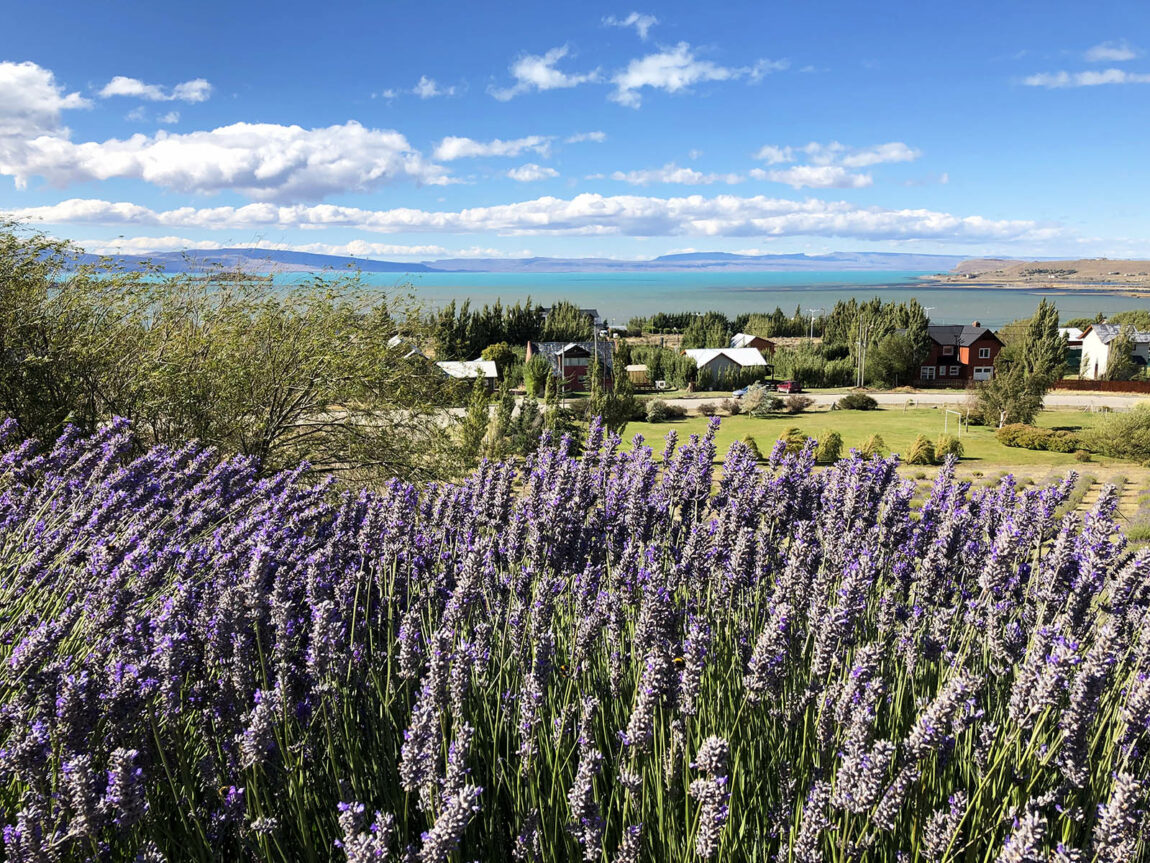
(1055, 400)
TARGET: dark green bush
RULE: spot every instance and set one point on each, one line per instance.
(921, 451)
(1036, 438)
(856, 402)
(947, 444)
(658, 411)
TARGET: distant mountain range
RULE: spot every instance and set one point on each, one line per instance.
(272, 261)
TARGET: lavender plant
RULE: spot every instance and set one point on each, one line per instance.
(613, 656)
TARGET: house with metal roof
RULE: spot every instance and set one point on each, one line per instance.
(1096, 342)
(572, 361)
(748, 340)
(471, 369)
(719, 361)
(959, 354)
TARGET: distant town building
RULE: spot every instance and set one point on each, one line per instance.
(960, 353)
(639, 374)
(572, 361)
(1096, 341)
(717, 361)
(471, 369)
(747, 340)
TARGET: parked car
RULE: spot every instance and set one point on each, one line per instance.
(790, 387)
(740, 392)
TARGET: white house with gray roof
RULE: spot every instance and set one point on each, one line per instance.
(716, 361)
(1096, 342)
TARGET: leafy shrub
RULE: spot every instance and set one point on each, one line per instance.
(708, 409)
(872, 446)
(856, 402)
(731, 407)
(830, 448)
(1121, 435)
(1036, 438)
(798, 403)
(658, 411)
(921, 451)
(794, 439)
(753, 446)
(947, 444)
(1081, 455)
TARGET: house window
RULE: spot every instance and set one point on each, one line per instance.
(954, 371)
(942, 371)
(575, 361)
(927, 373)
(984, 353)
(948, 350)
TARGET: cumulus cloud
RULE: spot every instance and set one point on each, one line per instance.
(641, 23)
(196, 90)
(1111, 52)
(579, 137)
(675, 69)
(169, 118)
(586, 215)
(31, 101)
(538, 72)
(531, 172)
(428, 88)
(773, 155)
(453, 147)
(672, 173)
(815, 177)
(1058, 80)
(262, 161)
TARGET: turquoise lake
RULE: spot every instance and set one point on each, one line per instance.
(620, 295)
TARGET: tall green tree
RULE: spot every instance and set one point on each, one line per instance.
(1120, 365)
(566, 322)
(1025, 369)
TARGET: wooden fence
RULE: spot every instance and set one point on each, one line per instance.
(1105, 386)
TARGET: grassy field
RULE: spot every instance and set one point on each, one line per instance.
(897, 427)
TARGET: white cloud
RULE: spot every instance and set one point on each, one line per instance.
(1111, 52)
(538, 72)
(672, 173)
(196, 90)
(815, 177)
(775, 155)
(531, 172)
(1058, 80)
(31, 102)
(579, 137)
(389, 93)
(641, 23)
(582, 215)
(170, 117)
(675, 69)
(263, 161)
(428, 88)
(453, 147)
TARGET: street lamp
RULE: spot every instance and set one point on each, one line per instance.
(811, 337)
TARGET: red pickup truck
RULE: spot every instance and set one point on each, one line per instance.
(790, 387)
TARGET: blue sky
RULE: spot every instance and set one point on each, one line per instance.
(416, 130)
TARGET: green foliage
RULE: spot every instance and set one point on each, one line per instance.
(536, 375)
(1031, 437)
(1137, 318)
(947, 444)
(793, 439)
(829, 448)
(856, 402)
(753, 446)
(872, 446)
(659, 411)
(616, 405)
(566, 323)
(460, 333)
(1120, 365)
(710, 330)
(473, 429)
(527, 427)
(503, 355)
(279, 374)
(921, 451)
(1121, 435)
(1033, 358)
(664, 364)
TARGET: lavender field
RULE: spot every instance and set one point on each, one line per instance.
(603, 657)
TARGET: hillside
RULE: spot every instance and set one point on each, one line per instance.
(1122, 274)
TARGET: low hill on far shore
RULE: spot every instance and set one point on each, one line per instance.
(1132, 275)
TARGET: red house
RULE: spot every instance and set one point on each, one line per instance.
(572, 361)
(960, 353)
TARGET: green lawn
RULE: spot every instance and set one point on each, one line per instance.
(897, 427)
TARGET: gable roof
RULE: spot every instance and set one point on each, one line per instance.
(552, 350)
(963, 335)
(470, 369)
(744, 357)
(743, 340)
(1109, 332)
